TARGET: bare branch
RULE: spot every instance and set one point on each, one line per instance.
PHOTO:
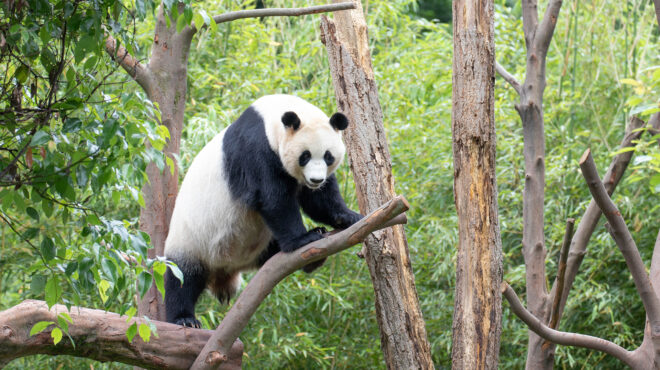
(530, 17)
(657, 10)
(623, 239)
(564, 338)
(101, 335)
(561, 271)
(547, 27)
(592, 214)
(281, 12)
(135, 69)
(280, 266)
(508, 77)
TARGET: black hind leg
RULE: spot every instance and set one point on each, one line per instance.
(180, 299)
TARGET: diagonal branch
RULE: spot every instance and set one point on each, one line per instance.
(140, 72)
(564, 338)
(623, 239)
(280, 266)
(281, 12)
(592, 214)
(561, 272)
(508, 77)
(547, 27)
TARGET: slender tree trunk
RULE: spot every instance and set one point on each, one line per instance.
(168, 67)
(403, 334)
(477, 302)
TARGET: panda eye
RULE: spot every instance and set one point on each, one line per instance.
(304, 158)
(328, 158)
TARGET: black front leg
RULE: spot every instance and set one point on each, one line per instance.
(285, 222)
(327, 206)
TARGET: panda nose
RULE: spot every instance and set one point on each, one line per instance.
(316, 181)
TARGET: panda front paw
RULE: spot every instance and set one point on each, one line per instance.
(297, 243)
(190, 322)
(345, 221)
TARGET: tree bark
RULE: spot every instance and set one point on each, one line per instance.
(101, 336)
(403, 333)
(477, 302)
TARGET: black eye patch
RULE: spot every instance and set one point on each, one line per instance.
(328, 158)
(304, 158)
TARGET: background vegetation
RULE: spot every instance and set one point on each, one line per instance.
(68, 211)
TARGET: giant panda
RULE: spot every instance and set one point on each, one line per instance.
(240, 200)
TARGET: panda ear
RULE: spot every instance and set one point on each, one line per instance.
(339, 121)
(290, 119)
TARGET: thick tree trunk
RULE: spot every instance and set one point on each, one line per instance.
(101, 336)
(477, 302)
(403, 334)
(168, 67)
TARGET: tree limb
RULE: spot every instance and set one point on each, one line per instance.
(561, 271)
(564, 338)
(280, 266)
(508, 77)
(281, 12)
(135, 69)
(530, 17)
(656, 3)
(592, 214)
(547, 27)
(101, 336)
(623, 239)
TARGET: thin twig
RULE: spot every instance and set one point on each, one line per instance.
(564, 338)
(282, 12)
(508, 77)
(561, 270)
(623, 239)
(280, 266)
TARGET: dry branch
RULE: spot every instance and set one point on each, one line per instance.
(132, 66)
(280, 266)
(508, 77)
(547, 27)
(101, 336)
(592, 214)
(623, 239)
(281, 12)
(561, 271)
(564, 338)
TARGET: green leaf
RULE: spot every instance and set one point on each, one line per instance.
(40, 326)
(198, 20)
(180, 23)
(57, 335)
(130, 333)
(37, 285)
(62, 323)
(159, 281)
(93, 219)
(103, 287)
(144, 283)
(53, 291)
(109, 269)
(130, 313)
(40, 138)
(32, 213)
(160, 267)
(170, 164)
(176, 271)
(145, 332)
(22, 74)
(48, 248)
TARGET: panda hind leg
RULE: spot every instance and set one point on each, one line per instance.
(224, 285)
(180, 299)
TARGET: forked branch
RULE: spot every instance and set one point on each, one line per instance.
(564, 338)
(283, 264)
(623, 238)
(135, 69)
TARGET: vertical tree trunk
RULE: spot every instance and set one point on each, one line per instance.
(477, 302)
(403, 334)
(168, 67)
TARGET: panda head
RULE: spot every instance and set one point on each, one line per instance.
(311, 150)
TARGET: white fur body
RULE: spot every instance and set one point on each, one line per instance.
(208, 224)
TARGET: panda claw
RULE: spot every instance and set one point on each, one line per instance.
(189, 322)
